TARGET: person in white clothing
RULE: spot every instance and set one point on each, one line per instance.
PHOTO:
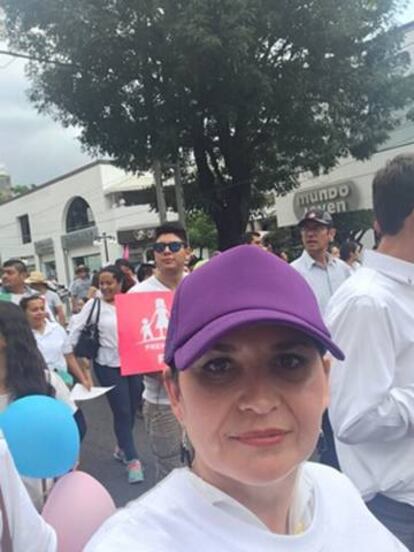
(248, 382)
(170, 252)
(40, 285)
(325, 274)
(123, 398)
(53, 342)
(372, 318)
(23, 372)
(22, 529)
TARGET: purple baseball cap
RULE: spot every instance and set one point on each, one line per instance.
(243, 286)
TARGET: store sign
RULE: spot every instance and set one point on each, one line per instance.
(334, 198)
(44, 247)
(137, 235)
(80, 238)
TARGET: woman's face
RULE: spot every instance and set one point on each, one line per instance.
(36, 313)
(108, 286)
(252, 405)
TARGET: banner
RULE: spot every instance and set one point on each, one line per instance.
(142, 328)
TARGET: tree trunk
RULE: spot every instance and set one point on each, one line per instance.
(231, 218)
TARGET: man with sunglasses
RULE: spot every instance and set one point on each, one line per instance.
(170, 252)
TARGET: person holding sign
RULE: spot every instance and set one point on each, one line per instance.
(170, 252)
(123, 398)
(248, 382)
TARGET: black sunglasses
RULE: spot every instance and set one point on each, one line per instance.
(174, 247)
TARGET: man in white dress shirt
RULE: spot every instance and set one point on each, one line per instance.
(323, 272)
(371, 318)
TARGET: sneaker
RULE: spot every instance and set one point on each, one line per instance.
(119, 455)
(135, 473)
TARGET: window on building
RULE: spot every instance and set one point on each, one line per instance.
(79, 215)
(25, 229)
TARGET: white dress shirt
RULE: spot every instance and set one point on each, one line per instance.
(324, 280)
(371, 317)
(108, 331)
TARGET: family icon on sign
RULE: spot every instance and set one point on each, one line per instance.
(158, 323)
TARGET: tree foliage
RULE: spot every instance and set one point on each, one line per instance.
(252, 92)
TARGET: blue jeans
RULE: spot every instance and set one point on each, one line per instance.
(398, 517)
(123, 400)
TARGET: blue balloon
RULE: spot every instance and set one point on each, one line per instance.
(42, 436)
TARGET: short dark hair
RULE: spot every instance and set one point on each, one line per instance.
(144, 271)
(18, 264)
(248, 237)
(346, 249)
(393, 193)
(172, 228)
(25, 301)
(124, 262)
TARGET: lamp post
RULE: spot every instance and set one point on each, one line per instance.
(104, 238)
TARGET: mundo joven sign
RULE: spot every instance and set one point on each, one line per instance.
(340, 197)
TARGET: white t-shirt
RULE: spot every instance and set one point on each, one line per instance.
(29, 532)
(154, 391)
(54, 344)
(108, 354)
(177, 515)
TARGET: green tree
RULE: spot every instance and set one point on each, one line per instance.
(253, 92)
(201, 231)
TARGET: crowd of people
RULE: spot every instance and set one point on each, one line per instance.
(269, 364)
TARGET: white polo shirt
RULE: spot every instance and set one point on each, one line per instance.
(54, 344)
(324, 280)
(371, 317)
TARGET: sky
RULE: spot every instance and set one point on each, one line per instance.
(33, 147)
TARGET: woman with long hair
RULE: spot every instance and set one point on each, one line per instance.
(23, 372)
(124, 397)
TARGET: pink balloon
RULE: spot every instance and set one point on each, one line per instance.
(76, 507)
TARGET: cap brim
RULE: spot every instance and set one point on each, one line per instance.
(319, 221)
(201, 342)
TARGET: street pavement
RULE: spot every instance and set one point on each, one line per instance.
(97, 449)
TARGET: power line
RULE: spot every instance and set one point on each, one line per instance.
(38, 59)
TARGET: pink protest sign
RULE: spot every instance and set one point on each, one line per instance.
(142, 328)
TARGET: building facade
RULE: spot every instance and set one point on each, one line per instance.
(347, 187)
(90, 216)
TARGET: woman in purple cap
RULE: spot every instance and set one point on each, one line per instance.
(248, 381)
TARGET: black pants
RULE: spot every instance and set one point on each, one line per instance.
(123, 400)
(398, 517)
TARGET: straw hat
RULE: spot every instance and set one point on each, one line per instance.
(36, 277)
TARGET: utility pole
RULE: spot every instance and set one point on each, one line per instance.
(162, 208)
(105, 238)
(179, 193)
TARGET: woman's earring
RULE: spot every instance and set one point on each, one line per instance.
(185, 452)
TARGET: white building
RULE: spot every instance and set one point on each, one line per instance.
(348, 186)
(88, 216)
